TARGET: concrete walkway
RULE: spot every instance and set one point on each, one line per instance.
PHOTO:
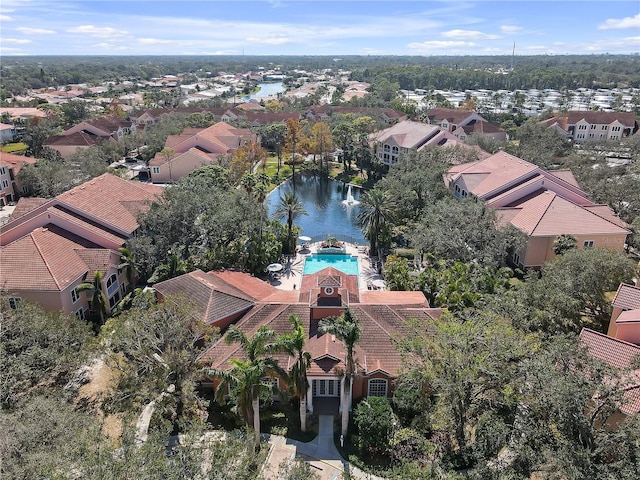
(321, 454)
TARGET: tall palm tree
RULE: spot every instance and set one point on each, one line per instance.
(98, 302)
(290, 207)
(347, 329)
(377, 213)
(246, 379)
(293, 344)
(127, 262)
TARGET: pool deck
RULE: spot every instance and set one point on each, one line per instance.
(292, 275)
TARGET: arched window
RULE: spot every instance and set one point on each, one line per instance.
(377, 387)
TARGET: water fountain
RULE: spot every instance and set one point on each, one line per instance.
(350, 200)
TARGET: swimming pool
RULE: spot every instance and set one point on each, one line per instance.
(345, 263)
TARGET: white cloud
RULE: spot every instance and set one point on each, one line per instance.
(35, 31)
(109, 46)
(469, 35)
(15, 40)
(97, 31)
(155, 41)
(271, 40)
(6, 18)
(510, 29)
(439, 44)
(621, 23)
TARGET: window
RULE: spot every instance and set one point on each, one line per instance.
(80, 314)
(582, 127)
(377, 387)
(615, 129)
(588, 244)
(394, 150)
(113, 301)
(75, 295)
(14, 302)
(516, 259)
(605, 127)
(3, 171)
(155, 170)
(5, 183)
(123, 289)
(464, 194)
(112, 285)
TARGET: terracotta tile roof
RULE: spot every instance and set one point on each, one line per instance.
(215, 298)
(564, 175)
(628, 119)
(627, 297)
(86, 224)
(408, 134)
(80, 139)
(45, 259)
(620, 355)
(108, 124)
(267, 118)
(494, 172)
(482, 127)
(544, 213)
(26, 205)
(98, 260)
(250, 285)
(15, 161)
(452, 115)
(111, 200)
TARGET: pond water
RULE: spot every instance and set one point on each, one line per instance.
(266, 90)
(322, 198)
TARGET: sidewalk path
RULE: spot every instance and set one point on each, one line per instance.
(321, 453)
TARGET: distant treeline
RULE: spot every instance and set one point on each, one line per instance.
(17, 74)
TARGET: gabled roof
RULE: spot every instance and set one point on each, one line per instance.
(627, 297)
(79, 139)
(47, 259)
(481, 127)
(112, 200)
(15, 161)
(628, 119)
(620, 355)
(544, 213)
(215, 298)
(495, 172)
(108, 124)
(27, 204)
(452, 115)
(408, 134)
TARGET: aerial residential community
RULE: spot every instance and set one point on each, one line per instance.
(299, 245)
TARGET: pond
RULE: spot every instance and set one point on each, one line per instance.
(324, 201)
(266, 90)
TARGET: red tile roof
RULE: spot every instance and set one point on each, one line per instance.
(544, 213)
(47, 259)
(381, 316)
(627, 297)
(620, 355)
(15, 161)
(111, 200)
(80, 139)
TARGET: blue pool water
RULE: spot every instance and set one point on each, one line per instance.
(345, 263)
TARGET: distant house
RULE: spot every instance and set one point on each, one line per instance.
(624, 357)
(464, 124)
(409, 136)
(195, 148)
(625, 318)
(50, 246)
(322, 113)
(235, 297)
(89, 133)
(10, 165)
(7, 132)
(581, 126)
(542, 204)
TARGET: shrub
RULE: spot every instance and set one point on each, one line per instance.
(374, 419)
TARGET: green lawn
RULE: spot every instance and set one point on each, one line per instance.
(15, 147)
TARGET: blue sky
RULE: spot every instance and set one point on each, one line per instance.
(329, 27)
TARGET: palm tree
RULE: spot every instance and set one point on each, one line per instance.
(289, 207)
(377, 214)
(246, 379)
(127, 262)
(173, 268)
(347, 329)
(293, 344)
(98, 302)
